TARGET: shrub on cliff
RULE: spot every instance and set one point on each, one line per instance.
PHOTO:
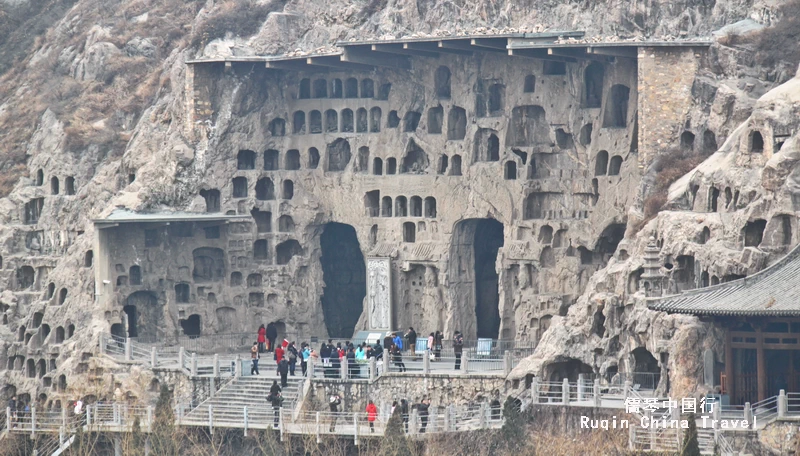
(240, 17)
(781, 41)
(691, 444)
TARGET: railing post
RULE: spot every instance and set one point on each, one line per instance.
(33, 421)
(8, 418)
(652, 430)
(103, 343)
(237, 371)
(627, 389)
(426, 363)
(412, 429)
(373, 370)
(319, 440)
(181, 358)
(89, 415)
(483, 416)
(180, 414)
(211, 419)
(245, 421)
(507, 362)
(216, 366)
(565, 391)
(597, 398)
(465, 363)
(447, 418)
(128, 349)
(632, 437)
(153, 358)
(580, 387)
(343, 369)
(63, 417)
(748, 413)
(194, 364)
(355, 428)
(212, 387)
(150, 418)
(280, 422)
(535, 390)
(782, 404)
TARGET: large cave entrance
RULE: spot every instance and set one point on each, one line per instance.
(344, 274)
(473, 276)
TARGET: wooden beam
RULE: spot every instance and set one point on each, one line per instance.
(540, 54)
(494, 43)
(369, 57)
(432, 46)
(729, 385)
(397, 48)
(293, 65)
(761, 366)
(455, 44)
(615, 51)
(577, 53)
(333, 61)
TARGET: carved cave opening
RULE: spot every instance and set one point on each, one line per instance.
(478, 241)
(344, 275)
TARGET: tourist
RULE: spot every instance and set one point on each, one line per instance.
(276, 400)
(325, 354)
(352, 368)
(377, 351)
(279, 352)
(272, 334)
(458, 348)
(305, 353)
(431, 341)
(422, 410)
(361, 354)
(404, 413)
(438, 338)
(387, 341)
(397, 358)
(254, 359)
(262, 339)
(12, 408)
(336, 363)
(283, 370)
(372, 413)
(411, 337)
(398, 341)
(333, 402)
(292, 357)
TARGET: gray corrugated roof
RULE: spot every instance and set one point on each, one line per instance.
(128, 216)
(775, 291)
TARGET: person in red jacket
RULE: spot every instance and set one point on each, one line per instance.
(278, 355)
(262, 339)
(372, 415)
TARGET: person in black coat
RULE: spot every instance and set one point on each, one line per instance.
(404, 413)
(333, 402)
(336, 363)
(325, 355)
(387, 342)
(352, 368)
(276, 400)
(272, 334)
(411, 337)
(397, 358)
(283, 369)
(422, 410)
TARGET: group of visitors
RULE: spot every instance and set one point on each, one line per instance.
(335, 400)
(286, 354)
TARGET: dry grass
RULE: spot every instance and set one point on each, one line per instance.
(241, 17)
(669, 167)
(781, 42)
(98, 112)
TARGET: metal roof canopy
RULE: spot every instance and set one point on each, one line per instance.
(120, 216)
(367, 55)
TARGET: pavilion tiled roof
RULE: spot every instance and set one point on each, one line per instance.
(774, 291)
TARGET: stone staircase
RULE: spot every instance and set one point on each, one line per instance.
(228, 403)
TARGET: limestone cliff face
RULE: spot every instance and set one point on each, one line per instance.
(109, 136)
(730, 217)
